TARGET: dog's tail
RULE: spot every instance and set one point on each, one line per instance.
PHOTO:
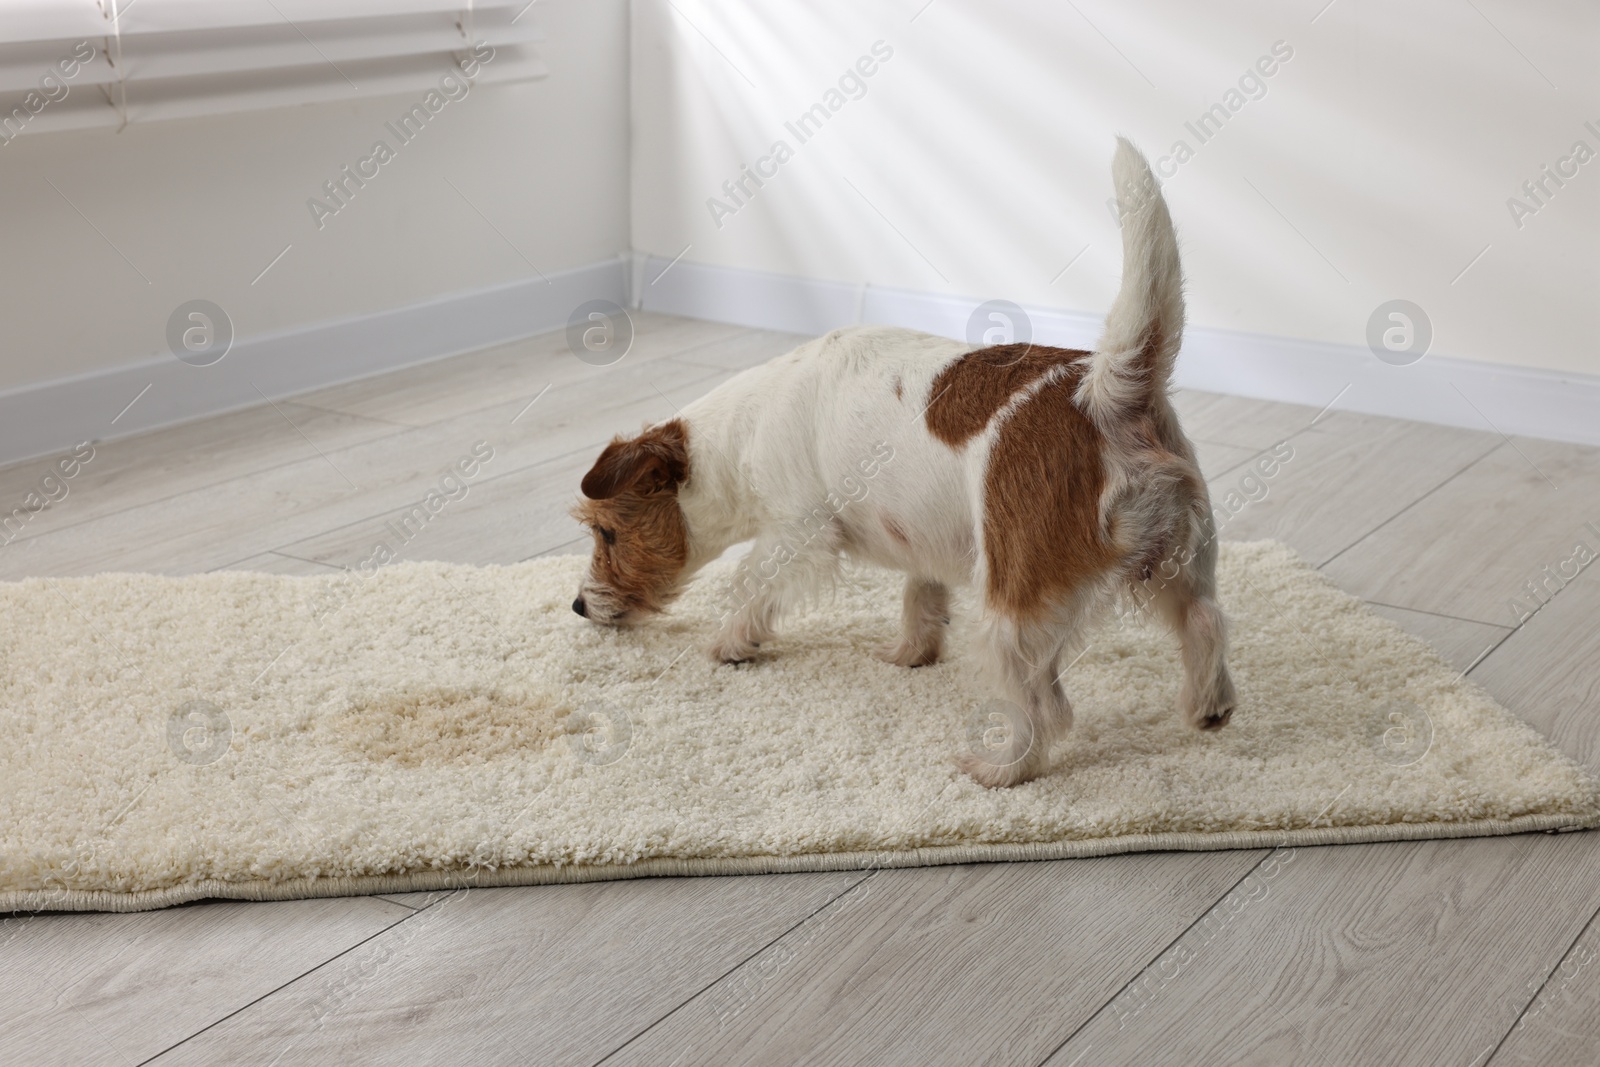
(1134, 357)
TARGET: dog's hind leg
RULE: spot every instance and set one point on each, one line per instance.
(1025, 657)
(925, 613)
(1188, 605)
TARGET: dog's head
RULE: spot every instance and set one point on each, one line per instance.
(641, 543)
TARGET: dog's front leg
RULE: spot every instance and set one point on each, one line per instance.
(771, 580)
(749, 619)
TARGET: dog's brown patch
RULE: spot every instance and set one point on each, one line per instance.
(640, 541)
(656, 460)
(968, 392)
(895, 530)
(899, 388)
(1041, 521)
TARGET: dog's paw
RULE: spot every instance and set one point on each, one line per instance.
(904, 654)
(732, 650)
(1210, 713)
(999, 775)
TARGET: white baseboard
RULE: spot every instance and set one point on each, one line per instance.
(1438, 389)
(52, 416)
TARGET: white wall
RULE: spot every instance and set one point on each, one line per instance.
(1376, 166)
(200, 207)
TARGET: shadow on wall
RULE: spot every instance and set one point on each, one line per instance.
(1321, 161)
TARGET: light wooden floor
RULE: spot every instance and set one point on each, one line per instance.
(1449, 952)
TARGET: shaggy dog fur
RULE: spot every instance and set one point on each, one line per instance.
(1052, 479)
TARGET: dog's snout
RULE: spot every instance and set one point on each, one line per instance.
(580, 607)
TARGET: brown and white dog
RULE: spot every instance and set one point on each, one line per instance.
(1051, 479)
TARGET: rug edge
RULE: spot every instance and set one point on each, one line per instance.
(13, 902)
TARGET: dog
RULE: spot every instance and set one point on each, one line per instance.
(1053, 480)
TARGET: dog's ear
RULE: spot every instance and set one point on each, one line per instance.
(655, 461)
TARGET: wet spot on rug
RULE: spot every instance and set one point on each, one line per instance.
(429, 728)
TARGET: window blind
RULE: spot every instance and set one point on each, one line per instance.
(75, 63)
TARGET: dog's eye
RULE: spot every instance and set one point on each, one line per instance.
(609, 536)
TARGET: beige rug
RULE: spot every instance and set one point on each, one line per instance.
(263, 737)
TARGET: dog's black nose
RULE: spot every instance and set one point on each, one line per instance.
(580, 608)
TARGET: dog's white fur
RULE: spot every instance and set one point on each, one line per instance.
(783, 454)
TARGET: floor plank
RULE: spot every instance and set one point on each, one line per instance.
(1549, 670)
(1348, 476)
(501, 520)
(448, 388)
(1461, 642)
(1239, 421)
(166, 463)
(552, 975)
(579, 546)
(1216, 460)
(244, 516)
(1314, 971)
(277, 563)
(418, 901)
(118, 989)
(743, 351)
(909, 966)
(1468, 549)
(1562, 1023)
(1360, 954)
